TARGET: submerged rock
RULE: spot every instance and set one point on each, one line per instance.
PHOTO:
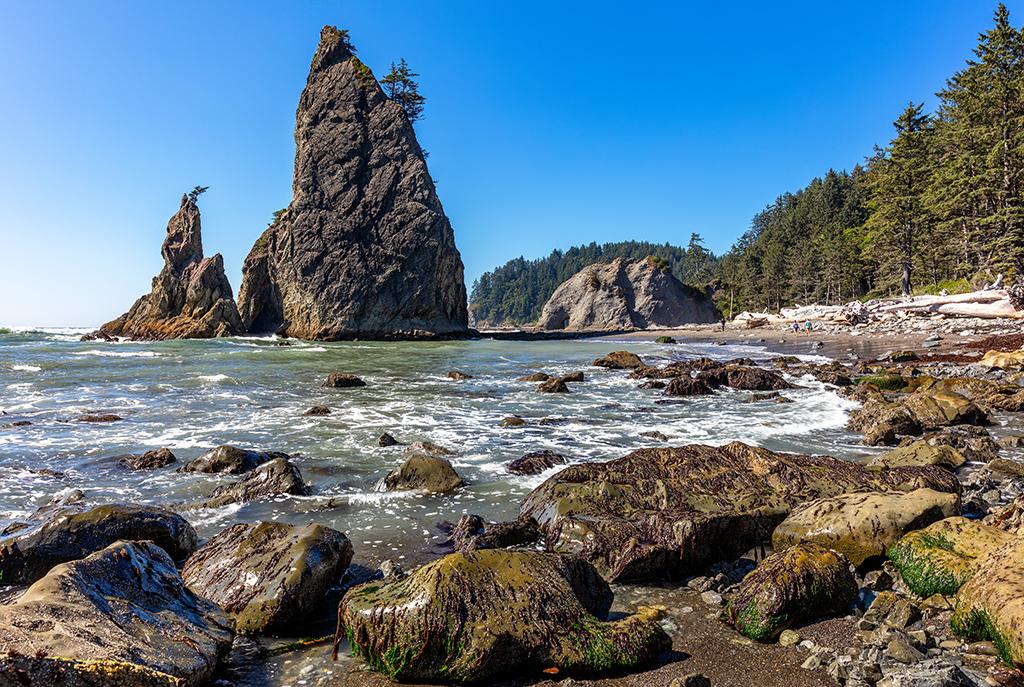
(862, 526)
(385, 440)
(458, 375)
(625, 295)
(341, 380)
(535, 462)
(120, 616)
(364, 248)
(990, 605)
(553, 386)
(277, 477)
(230, 460)
(535, 377)
(191, 297)
(268, 576)
(150, 460)
(512, 421)
(941, 557)
(318, 411)
(423, 472)
(803, 582)
(69, 534)
(666, 512)
(474, 616)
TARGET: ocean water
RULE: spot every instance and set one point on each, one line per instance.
(190, 396)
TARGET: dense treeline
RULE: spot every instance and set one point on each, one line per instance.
(940, 207)
(515, 292)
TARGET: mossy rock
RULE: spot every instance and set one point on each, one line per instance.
(940, 558)
(424, 473)
(884, 382)
(803, 582)
(990, 605)
(665, 340)
(473, 616)
(667, 512)
(919, 453)
(862, 526)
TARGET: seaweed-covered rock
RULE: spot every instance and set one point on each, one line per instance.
(803, 582)
(423, 472)
(919, 452)
(619, 360)
(745, 378)
(535, 462)
(862, 526)
(120, 616)
(150, 460)
(277, 477)
(941, 557)
(687, 386)
(470, 533)
(990, 605)
(71, 533)
(666, 512)
(268, 575)
(473, 616)
(884, 381)
(230, 460)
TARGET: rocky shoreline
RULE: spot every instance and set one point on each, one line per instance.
(682, 565)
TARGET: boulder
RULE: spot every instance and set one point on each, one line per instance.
(900, 356)
(459, 376)
(619, 360)
(150, 460)
(535, 377)
(576, 376)
(364, 249)
(553, 386)
(427, 447)
(318, 411)
(882, 421)
(935, 409)
(230, 460)
(423, 472)
(744, 378)
(512, 421)
(885, 381)
(72, 532)
(803, 582)
(473, 617)
(667, 512)
(191, 297)
(920, 452)
(665, 340)
(120, 616)
(941, 557)
(470, 533)
(277, 477)
(385, 440)
(973, 442)
(862, 526)
(990, 605)
(687, 386)
(341, 380)
(535, 462)
(1002, 360)
(268, 576)
(987, 393)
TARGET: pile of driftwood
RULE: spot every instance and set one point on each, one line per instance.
(988, 303)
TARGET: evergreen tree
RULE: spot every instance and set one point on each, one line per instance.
(401, 86)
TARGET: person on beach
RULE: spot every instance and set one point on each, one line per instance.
(723, 324)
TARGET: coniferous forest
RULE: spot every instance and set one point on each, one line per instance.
(940, 206)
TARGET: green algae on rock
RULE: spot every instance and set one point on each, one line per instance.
(919, 452)
(940, 558)
(666, 512)
(472, 616)
(803, 582)
(990, 605)
(268, 575)
(423, 472)
(120, 616)
(862, 526)
(71, 533)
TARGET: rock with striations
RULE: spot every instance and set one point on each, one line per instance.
(624, 295)
(191, 297)
(268, 575)
(364, 249)
(667, 512)
(120, 616)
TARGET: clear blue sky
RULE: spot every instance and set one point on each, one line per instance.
(548, 124)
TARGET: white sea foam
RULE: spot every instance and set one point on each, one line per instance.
(118, 354)
(26, 368)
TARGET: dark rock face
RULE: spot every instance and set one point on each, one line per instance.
(121, 616)
(553, 386)
(665, 512)
(150, 460)
(687, 386)
(230, 460)
(340, 380)
(274, 478)
(622, 295)
(318, 411)
(470, 533)
(266, 575)
(71, 533)
(469, 617)
(804, 581)
(745, 378)
(364, 249)
(191, 297)
(385, 440)
(535, 462)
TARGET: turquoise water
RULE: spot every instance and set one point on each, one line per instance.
(192, 395)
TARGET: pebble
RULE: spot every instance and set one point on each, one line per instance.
(691, 680)
(711, 598)
(789, 638)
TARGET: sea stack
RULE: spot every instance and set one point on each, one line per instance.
(191, 297)
(364, 250)
(619, 295)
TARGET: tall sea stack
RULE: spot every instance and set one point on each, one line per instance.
(364, 249)
(191, 297)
